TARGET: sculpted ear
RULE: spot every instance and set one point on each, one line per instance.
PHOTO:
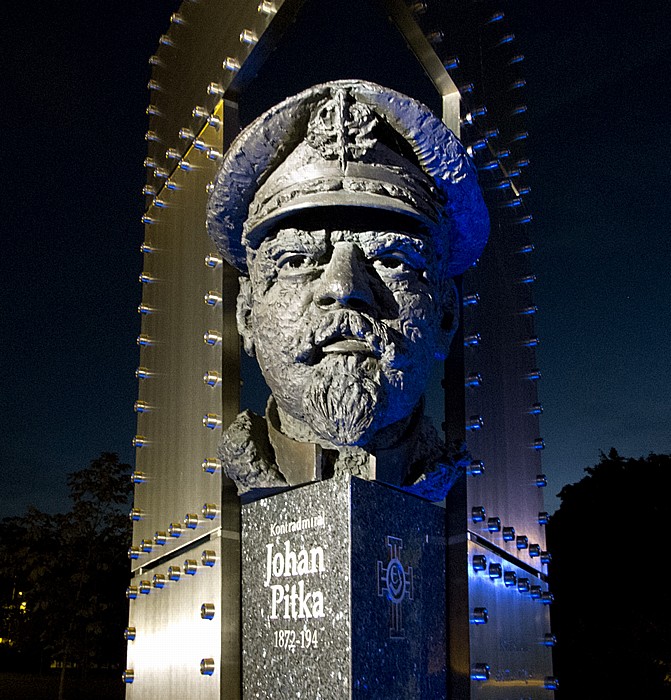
(243, 315)
(450, 319)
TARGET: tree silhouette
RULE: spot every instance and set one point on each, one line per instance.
(70, 570)
(612, 614)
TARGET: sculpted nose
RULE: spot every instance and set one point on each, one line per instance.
(344, 282)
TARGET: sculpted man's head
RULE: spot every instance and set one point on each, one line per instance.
(345, 312)
(347, 210)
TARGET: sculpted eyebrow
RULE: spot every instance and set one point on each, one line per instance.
(294, 240)
(381, 242)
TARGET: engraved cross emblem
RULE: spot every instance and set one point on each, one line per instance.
(396, 583)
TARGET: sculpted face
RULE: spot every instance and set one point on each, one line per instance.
(345, 313)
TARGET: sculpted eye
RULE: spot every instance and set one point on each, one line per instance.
(390, 263)
(296, 261)
(291, 264)
(397, 262)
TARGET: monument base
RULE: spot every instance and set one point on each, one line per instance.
(343, 594)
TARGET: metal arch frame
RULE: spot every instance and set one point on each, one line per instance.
(183, 58)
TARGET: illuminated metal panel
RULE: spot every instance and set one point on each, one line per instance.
(508, 489)
(204, 56)
(510, 624)
(217, 48)
(500, 501)
(190, 61)
(174, 399)
(172, 630)
(189, 380)
(501, 402)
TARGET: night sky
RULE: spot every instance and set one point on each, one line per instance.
(73, 123)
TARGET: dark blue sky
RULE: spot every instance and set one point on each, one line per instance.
(600, 100)
(73, 123)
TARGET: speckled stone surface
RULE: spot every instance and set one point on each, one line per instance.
(343, 586)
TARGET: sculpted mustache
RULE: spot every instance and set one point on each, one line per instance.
(343, 324)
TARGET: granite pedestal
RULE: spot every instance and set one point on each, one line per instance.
(343, 594)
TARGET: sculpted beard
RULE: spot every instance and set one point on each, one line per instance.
(343, 397)
(346, 397)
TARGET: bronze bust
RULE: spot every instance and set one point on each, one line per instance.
(347, 209)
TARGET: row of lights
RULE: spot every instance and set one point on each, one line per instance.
(192, 140)
(479, 515)
(175, 530)
(510, 579)
(210, 465)
(174, 573)
(482, 672)
(484, 147)
(212, 338)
